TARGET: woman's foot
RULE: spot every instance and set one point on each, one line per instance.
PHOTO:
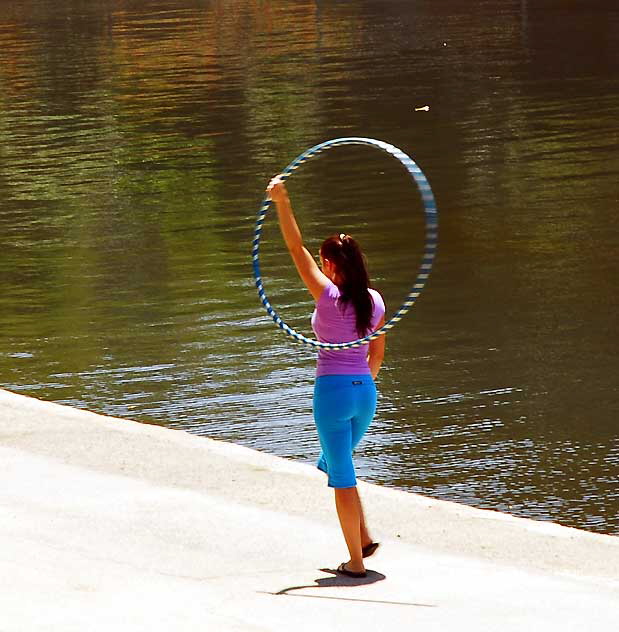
(369, 549)
(351, 572)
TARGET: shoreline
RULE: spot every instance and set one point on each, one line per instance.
(218, 520)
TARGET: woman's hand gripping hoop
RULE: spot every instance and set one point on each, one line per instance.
(431, 239)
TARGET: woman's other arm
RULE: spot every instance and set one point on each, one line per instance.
(308, 269)
(377, 351)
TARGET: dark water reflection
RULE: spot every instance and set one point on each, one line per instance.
(136, 137)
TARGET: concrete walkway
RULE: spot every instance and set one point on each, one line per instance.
(111, 525)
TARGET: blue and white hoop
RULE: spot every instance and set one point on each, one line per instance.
(431, 238)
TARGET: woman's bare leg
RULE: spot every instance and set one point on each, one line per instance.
(365, 536)
(350, 513)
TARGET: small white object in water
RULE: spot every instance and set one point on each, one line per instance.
(425, 108)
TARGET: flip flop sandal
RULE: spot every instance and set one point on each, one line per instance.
(344, 571)
(370, 549)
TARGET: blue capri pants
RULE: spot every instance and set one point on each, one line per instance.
(344, 406)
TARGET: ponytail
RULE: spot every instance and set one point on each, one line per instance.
(344, 252)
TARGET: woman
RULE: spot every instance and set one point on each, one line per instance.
(344, 392)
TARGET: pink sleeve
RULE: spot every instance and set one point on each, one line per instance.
(331, 291)
(379, 307)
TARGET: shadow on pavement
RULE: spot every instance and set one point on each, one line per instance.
(339, 580)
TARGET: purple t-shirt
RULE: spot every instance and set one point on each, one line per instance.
(334, 320)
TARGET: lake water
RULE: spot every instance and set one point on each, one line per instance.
(137, 137)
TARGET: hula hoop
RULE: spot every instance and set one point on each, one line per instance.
(431, 238)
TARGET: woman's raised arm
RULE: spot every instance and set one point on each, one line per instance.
(308, 269)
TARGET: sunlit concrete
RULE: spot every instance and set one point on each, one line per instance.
(108, 524)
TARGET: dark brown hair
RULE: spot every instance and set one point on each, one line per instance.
(353, 278)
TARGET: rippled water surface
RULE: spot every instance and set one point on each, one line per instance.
(136, 138)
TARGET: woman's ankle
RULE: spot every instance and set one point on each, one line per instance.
(356, 566)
